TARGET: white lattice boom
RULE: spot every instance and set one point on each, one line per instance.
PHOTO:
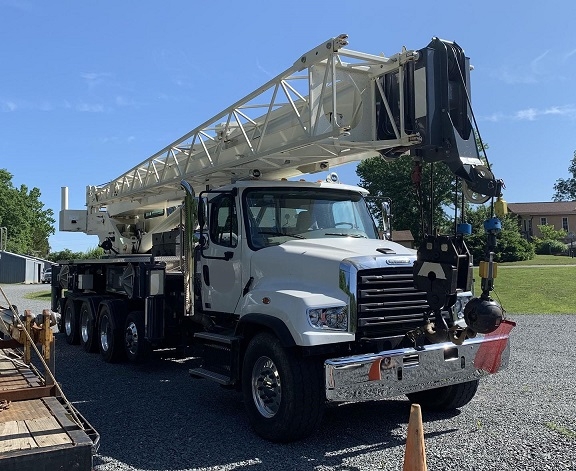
(317, 114)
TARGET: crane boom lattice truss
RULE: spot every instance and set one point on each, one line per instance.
(320, 112)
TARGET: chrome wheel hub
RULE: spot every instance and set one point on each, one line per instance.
(104, 332)
(68, 324)
(266, 387)
(131, 338)
(85, 329)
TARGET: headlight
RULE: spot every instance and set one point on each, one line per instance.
(329, 317)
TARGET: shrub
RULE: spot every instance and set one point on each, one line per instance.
(510, 247)
(549, 247)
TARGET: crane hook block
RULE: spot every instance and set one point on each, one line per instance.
(442, 268)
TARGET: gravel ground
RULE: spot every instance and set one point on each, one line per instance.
(155, 417)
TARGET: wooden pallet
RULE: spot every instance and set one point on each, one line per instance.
(38, 431)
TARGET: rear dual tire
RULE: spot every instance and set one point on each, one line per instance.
(113, 333)
(110, 338)
(88, 337)
(70, 320)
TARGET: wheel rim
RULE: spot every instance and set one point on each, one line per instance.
(68, 322)
(266, 387)
(131, 338)
(85, 328)
(104, 333)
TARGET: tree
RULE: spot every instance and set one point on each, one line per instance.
(67, 254)
(510, 246)
(551, 241)
(549, 232)
(393, 179)
(28, 224)
(565, 189)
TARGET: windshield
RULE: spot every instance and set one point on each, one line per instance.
(275, 216)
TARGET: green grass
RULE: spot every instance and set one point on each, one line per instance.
(543, 260)
(39, 295)
(561, 430)
(535, 286)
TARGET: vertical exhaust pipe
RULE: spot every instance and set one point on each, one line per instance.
(64, 198)
(190, 214)
(187, 239)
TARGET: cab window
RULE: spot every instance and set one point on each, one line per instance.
(224, 221)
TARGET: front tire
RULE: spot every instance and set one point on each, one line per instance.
(283, 394)
(70, 323)
(445, 398)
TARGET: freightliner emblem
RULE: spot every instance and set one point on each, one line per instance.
(398, 261)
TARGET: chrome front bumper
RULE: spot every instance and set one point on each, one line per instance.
(397, 372)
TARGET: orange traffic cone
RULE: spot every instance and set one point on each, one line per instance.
(415, 454)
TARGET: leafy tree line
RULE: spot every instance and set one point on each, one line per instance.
(565, 188)
(68, 254)
(395, 179)
(28, 224)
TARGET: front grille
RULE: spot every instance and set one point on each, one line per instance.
(388, 303)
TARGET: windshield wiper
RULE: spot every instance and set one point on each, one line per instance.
(281, 234)
(357, 236)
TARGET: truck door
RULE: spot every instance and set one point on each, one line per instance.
(221, 256)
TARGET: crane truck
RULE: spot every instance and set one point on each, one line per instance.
(283, 288)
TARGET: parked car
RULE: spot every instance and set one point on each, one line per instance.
(47, 276)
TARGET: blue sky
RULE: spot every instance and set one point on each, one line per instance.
(90, 89)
